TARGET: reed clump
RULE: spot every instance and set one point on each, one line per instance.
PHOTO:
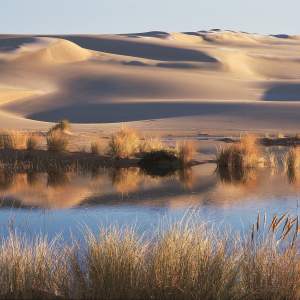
(96, 147)
(151, 144)
(292, 159)
(57, 142)
(185, 151)
(32, 142)
(125, 143)
(291, 163)
(12, 140)
(239, 156)
(63, 126)
(184, 261)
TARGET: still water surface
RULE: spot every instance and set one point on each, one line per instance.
(64, 203)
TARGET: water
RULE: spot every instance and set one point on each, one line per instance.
(65, 203)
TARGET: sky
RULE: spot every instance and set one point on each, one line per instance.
(125, 16)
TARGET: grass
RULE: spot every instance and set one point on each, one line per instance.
(57, 142)
(95, 148)
(236, 159)
(186, 261)
(185, 151)
(63, 126)
(32, 142)
(125, 143)
(12, 140)
(291, 162)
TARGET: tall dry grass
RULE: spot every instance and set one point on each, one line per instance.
(32, 142)
(125, 143)
(186, 261)
(57, 142)
(63, 126)
(12, 140)
(185, 151)
(237, 158)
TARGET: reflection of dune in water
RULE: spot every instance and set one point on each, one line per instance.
(197, 186)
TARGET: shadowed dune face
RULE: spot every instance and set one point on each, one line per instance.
(147, 76)
(140, 49)
(12, 43)
(127, 112)
(283, 92)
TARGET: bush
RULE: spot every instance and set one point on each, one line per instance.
(125, 143)
(57, 142)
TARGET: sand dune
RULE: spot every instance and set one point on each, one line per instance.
(150, 76)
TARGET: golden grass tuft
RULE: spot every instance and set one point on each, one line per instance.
(12, 140)
(57, 142)
(32, 142)
(245, 154)
(291, 163)
(63, 125)
(185, 151)
(95, 148)
(151, 144)
(125, 143)
(183, 261)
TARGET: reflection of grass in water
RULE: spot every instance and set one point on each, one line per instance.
(237, 175)
(7, 179)
(186, 178)
(186, 261)
(57, 178)
(126, 180)
(291, 162)
(32, 178)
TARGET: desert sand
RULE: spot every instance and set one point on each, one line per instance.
(185, 83)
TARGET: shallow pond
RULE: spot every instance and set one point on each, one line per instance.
(65, 203)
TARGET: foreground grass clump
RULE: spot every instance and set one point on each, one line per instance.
(57, 142)
(125, 143)
(186, 261)
(12, 140)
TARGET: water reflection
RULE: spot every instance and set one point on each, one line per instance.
(199, 185)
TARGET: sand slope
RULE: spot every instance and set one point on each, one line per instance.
(225, 78)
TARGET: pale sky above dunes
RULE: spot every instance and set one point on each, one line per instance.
(120, 16)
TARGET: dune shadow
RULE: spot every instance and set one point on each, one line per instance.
(139, 49)
(13, 43)
(126, 112)
(155, 34)
(283, 92)
(178, 65)
(135, 63)
(281, 36)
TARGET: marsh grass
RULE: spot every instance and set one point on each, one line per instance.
(150, 144)
(184, 261)
(12, 140)
(185, 151)
(95, 148)
(32, 142)
(125, 143)
(237, 159)
(63, 126)
(57, 142)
